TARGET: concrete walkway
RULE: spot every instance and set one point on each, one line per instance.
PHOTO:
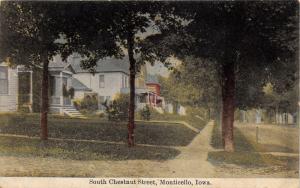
(192, 162)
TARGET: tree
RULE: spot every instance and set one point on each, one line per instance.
(27, 37)
(116, 26)
(283, 102)
(194, 83)
(248, 40)
(253, 43)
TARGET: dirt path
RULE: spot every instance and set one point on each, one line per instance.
(192, 162)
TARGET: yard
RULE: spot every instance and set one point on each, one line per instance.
(276, 150)
(92, 139)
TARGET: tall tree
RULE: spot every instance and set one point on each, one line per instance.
(249, 40)
(27, 37)
(252, 42)
(124, 23)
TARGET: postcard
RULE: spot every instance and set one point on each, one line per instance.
(149, 94)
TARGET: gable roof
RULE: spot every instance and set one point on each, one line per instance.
(79, 86)
(57, 64)
(105, 65)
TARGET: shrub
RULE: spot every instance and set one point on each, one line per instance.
(145, 113)
(23, 109)
(117, 110)
(87, 103)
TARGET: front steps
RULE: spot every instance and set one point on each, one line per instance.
(72, 112)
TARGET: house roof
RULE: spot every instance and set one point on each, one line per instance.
(79, 86)
(105, 65)
(57, 64)
(137, 90)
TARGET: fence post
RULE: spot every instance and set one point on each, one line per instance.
(256, 133)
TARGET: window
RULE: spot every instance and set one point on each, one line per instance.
(3, 80)
(101, 81)
(101, 99)
(124, 81)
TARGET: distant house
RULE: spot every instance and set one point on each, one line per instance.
(110, 78)
(259, 116)
(155, 98)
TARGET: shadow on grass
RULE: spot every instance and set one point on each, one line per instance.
(24, 147)
(146, 133)
(273, 148)
(240, 141)
(246, 153)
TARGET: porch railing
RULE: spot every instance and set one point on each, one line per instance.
(57, 100)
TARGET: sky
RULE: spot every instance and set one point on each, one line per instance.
(159, 69)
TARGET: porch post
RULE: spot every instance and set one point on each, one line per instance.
(155, 98)
(61, 94)
(31, 91)
(149, 99)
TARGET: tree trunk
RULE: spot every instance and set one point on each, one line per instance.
(228, 92)
(208, 113)
(45, 101)
(130, 41)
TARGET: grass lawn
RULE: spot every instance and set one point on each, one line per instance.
(25, 147)
(146, 133)
(92, 129)
(189, 118)
(272, 138)
(246, 153)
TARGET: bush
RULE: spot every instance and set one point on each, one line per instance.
(24, 109)
(145, 113)
(87, 104)
(117, 110)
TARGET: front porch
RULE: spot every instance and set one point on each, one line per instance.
(146, 97)
(61, 92)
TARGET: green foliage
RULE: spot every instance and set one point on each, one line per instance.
(240, 34)
(34, 26)
(117, 110)
(68, 92)
(145, 113)
(87, 103)
(194, 83)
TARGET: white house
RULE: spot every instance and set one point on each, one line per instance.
(8, 88)
(110, 78)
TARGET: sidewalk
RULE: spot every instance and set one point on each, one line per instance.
(192, 162)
